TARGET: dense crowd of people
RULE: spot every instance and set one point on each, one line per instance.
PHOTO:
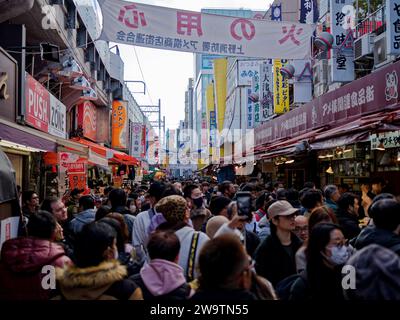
(190, 240)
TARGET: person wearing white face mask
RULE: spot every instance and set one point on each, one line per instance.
(326, 255)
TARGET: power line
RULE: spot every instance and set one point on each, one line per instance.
(141, 72)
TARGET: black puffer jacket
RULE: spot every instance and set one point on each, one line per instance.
(372, 234)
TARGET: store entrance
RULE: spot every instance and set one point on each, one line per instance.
(295, 178)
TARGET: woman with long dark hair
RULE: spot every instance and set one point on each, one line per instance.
(326, 254)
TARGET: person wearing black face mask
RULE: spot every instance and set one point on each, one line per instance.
(194, 197)
(198, 202)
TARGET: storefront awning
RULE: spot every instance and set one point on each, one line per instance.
(28, 137)
(356, 131)
(71, 146)
(102, 155)
(285, 147)
(123, 158)
(279, 152)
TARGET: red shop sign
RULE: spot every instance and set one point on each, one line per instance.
(87, 119)
(37, 104)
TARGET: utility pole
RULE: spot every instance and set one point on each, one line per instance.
(153, 113)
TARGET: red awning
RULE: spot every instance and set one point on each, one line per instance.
(123, 158)
(113, 156)
(100, 150)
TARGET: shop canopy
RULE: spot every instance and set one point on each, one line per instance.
(285, 147)
(31, 139)
(356, 131)
(123, 158)
(325, 137)
(102, 155)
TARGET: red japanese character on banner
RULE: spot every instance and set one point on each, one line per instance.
(136, 15)
(291, 34)
(189, 21)
(244, 23)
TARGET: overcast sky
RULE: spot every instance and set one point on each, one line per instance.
(166, 73)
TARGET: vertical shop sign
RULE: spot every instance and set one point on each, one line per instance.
(119, 133)
(87, 119)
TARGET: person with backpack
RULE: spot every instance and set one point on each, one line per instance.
(118, 201)
(142, 222)
(386, 229)
(162, 279)
(177, 214)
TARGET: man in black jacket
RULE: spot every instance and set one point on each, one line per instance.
(347, 215)
(275, 256)
(386, 228)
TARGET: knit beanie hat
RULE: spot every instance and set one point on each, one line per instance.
(377, 274)
(173, 208)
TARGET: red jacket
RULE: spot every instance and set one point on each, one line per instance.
(22, 260)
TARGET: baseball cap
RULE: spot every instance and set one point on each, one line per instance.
(281, 208)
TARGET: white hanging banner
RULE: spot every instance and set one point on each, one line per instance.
(173, 29)
(393, 26)
(342, 24)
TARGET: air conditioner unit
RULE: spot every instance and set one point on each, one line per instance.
(70, 69)
(89, 95)
(380, 51)
(364, 46)
(319, 89)
(80, 83)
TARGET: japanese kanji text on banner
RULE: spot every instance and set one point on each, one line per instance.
(174, 29)
(119, 125)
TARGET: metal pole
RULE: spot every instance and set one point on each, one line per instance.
(163, 123)
(159, 120)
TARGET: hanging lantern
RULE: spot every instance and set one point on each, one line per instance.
(288, 71)
(324, 41)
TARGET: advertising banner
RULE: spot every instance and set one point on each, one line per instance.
(247, 70)
(281, 89)
(72, 170)
(44, 111)
(308, 11)
(119, 127)
(136, 139)
(342, 23)
(143, 142)
(393, 26)
(266, 91)
(37, 104)
(87, 119)
(58, 118)
(220, 87)
(376, 92)
(173, 29)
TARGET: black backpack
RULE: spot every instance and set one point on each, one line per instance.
(284, 286)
